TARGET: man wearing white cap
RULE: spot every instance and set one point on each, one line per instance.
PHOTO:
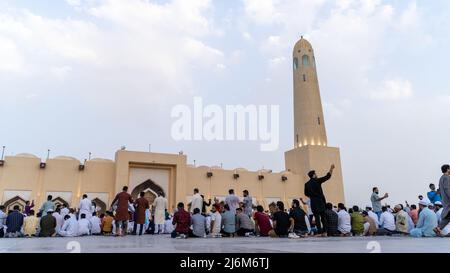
(427, 222)
(439, 209)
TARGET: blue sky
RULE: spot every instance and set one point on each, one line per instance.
(81, 76)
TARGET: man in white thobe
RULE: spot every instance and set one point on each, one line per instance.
(69, 228)
(160, 206)
(84, 226)
(232, 201)
(95, 224)
(59, 219)
(85, 206)
(197, 201)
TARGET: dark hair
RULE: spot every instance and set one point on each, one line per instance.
(180, 205)
(350, 210)
(196, 190)
(58, 209)
(280, 205)
(245, 191)
(431, 184)
(329, 206)
(413, 206)
(49, 198)
(296, 203)
(16, 207)
(383, 208)
(226, 207)
(341, 206)
(125, 188)
(82, 216)
(2, 207)
(374, 188)
(445, 168)
(355, 208)
(84, 196)
(196, 210)
(230, 191)
(259, 208)
(365, 213)
(311, 173)
(238, 209)
(31, 212)
(142, 194)
(94, 213)
(67, 217)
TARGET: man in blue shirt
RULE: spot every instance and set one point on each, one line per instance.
(434, 195)
(427, 222)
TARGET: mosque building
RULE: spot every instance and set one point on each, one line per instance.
(26, 177)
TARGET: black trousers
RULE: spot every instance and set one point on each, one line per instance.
(141, 228)
(242, 231)
(321, 222)
(2, 233)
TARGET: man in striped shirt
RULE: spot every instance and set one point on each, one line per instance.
(14, 222)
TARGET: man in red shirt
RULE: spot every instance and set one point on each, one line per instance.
(182, 220)
(262, 221)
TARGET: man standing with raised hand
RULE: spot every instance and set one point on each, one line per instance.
(313, 190)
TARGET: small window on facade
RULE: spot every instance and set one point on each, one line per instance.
(304, 77)
(295, 63)
(297, 138)
(305, 60)
(318, 120)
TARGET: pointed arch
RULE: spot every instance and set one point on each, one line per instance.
(60, 201)
(99, 204)
(17, 200)
(148, 186)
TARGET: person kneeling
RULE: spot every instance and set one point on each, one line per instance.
(198, 222)
(245, 226)
(181, 220)
(69, 228)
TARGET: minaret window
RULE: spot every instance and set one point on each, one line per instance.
(305, 60)
(318, 120)
(304, 77)
(295, 63)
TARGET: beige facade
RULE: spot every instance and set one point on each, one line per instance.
(24, 177)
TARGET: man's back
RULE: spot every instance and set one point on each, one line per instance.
(232, 201)
(182, 219)
(299, 219)
(229, 222)
(444, 186)
(198, 224)
(48, 224)
(14, 221)
(243, 221)
(387, 221)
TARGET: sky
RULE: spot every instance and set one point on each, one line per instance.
(80, 76)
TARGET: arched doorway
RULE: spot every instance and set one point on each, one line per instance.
(150, 188)
(17, 200)
(101, 206)
(60, 201)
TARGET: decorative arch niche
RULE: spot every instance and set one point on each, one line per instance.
(60, 201)
(150, 188)
(17, 200)
(100, 204)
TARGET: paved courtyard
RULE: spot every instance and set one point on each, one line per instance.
(164, 244)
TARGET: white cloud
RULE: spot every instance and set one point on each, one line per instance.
(10, 58)
(393, 90)
(261, 11)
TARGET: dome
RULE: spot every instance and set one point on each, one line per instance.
(26, 155)
(302, 44)
(101, 160)
(66, 158)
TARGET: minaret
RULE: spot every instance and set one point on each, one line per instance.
(311, 150)
(309, 124)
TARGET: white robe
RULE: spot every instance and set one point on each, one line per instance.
(84, 227)
(95, 225)
(197, 202)
(64, 212)
(160, 205)
(59, 221)
(85, 207)
(69, 228)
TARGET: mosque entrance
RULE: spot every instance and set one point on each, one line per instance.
(150, 188)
